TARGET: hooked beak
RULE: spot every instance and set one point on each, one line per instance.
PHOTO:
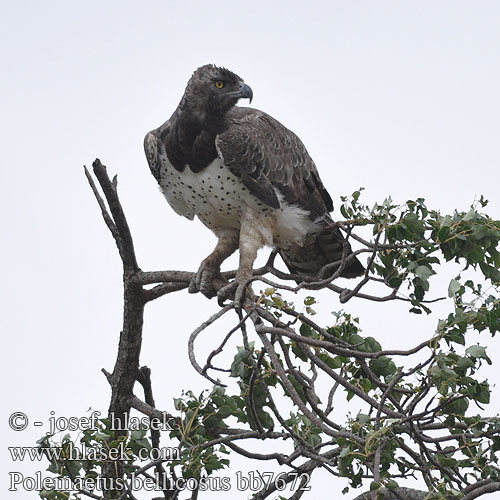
(245, 92)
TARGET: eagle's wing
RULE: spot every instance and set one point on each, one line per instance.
(267, 156)
(154, 147)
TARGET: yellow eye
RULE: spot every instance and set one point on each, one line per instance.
(219, 84)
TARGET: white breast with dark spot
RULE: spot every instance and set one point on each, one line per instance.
(219, 199)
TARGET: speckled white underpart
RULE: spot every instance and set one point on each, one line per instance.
(219, 199)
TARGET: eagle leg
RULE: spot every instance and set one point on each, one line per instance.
(250, 242)
(208, 274)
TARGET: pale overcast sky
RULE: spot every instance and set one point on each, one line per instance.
(400, 97)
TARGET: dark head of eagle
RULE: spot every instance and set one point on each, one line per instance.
(212, 92)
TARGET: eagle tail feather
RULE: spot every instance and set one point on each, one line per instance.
(322, 247)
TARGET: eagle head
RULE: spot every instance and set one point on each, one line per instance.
(212, 91)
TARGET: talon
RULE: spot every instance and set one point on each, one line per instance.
(344, 295)
(226, 292)
(193, 286)
(239, 295)
(203, 280)
(236, 290)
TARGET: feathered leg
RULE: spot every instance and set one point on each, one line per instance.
(255, 232)
(209, 269)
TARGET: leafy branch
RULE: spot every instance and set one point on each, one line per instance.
(417, 413)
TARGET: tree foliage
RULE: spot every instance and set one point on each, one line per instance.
(419, 413)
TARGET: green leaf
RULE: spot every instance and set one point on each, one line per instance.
(100, 436)
(372, 345)
(344, 211)
(363, 419)
(218, 400)
(414, 225)
(424, 272)
(306, 330)
(453, 287)
(477, 351)
(457, 407)
(446, 221)
(470, 215)
(298, 351)
(224, 411)
(232, 403)
(464, 363)
(309, 301)
(137, 434)
(383, 366)
(333, 363)
(483, 393)
(344, 452)
(391, 484)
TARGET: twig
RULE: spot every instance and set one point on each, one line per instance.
(195, 334)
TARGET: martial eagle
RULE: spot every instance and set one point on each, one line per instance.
(247, 178)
